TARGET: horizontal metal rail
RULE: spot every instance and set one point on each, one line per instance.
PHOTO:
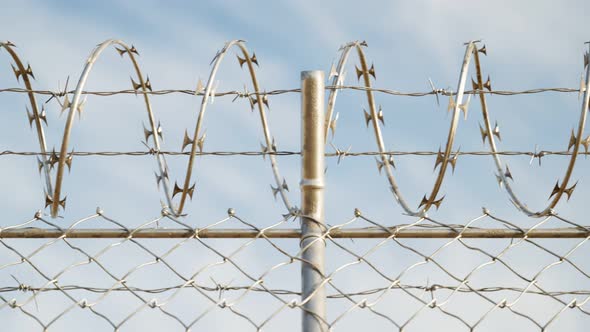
(351, 233)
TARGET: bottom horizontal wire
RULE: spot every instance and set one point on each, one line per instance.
(352, 233)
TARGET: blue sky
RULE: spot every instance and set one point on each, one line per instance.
(531, 44)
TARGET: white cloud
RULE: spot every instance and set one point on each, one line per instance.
(176, 44)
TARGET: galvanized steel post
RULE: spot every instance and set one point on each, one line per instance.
(312, 201)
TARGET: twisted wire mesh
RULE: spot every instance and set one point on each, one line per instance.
(398, 281)
(455, 280)
(194, 279)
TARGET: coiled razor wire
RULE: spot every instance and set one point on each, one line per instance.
(362, 278)
(444, 158)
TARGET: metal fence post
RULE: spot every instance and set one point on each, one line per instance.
(312, 198)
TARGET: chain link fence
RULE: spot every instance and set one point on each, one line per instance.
(231, 274)
(183, 272)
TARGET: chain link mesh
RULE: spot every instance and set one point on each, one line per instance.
(396, 279)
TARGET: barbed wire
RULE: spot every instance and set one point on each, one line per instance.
(218, 288)
(541, 153)
(241, 94)
(53, 164)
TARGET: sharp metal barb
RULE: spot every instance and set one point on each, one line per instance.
(341, 154)
(159, 130)
(586, 143)
(264, 101)
(423, 202)
(81, 106)
(69, 159)
(30, 116)
(436, 203)
(555, 189)
(488, 84)
(65, 105)
(570, 190)
(435, 91)
(43, 115)
(201, 142)
(372, 71)
(508, 174)
(333, 125)
(359, 73)
(484, 134)
(439, 159)
(158, 179)
(275, 191)
(29, 71)
(333, 71)
(474, 84)
(251, 100)
(380, 164)
(121, 51)
(572, 141)
(483, 50)
(536, 154)
(453, 160)
(176, 190)
(451, 105)
(53, 159)
(148, 84)
(241, 61)
(147, 133)
(499, 180)
(200, 87)
(265, 150)
(368, 117)
(212, 93)
(186, 141)
(380, 115)
(190, 191)
(465, 107)
(391, 161)
(253, 59)
(496, 131)
(49, 201)
(17, 72)
(136, 85)
(40, 164)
